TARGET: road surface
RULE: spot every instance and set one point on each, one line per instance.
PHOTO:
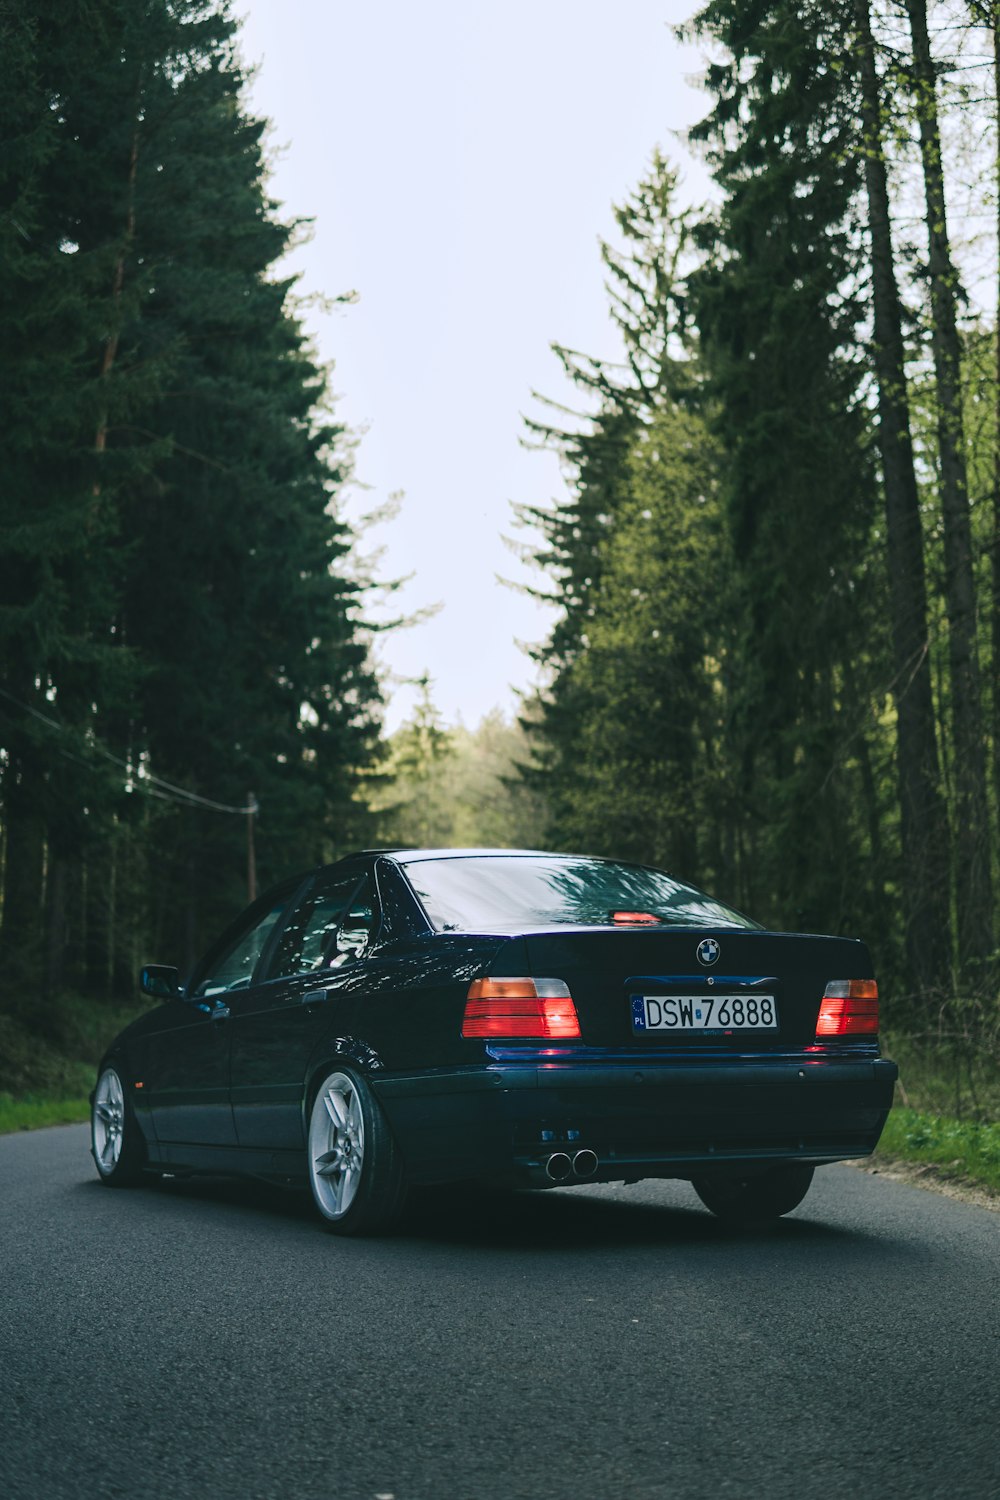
(210, 1340)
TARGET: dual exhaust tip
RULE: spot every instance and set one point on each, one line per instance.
(561, 1166)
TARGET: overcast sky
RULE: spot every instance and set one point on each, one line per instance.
(459, 161)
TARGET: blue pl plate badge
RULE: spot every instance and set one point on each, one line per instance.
(638, 1013)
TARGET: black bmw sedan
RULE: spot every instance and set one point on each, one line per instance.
(409, 1017)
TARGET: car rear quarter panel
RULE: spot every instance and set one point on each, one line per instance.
(407, 1002)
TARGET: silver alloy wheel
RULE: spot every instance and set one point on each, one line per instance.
(108, 1121)
(336, 1145)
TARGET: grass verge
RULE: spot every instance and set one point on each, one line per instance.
(958, 1150)
(49, 1056)
(36, 1110)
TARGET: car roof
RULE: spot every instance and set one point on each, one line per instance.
(418, 854)
(407, 854)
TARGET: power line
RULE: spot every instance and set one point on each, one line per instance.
(155, 785)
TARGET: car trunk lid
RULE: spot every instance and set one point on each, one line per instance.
(646, 988)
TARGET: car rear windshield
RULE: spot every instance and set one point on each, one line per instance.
(470, 893)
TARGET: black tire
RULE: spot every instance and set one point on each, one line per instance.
(116, 1142)
(347, 1124)
(753, 1198)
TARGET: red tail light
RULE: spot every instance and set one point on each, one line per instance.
(540, 1008)
(849, 1008)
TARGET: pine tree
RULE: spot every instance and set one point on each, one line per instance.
(974, 899)
(779, 314)
(59, 519)
(237, 592)
(178, 605)
(421, 806)
(986, 13)
(649, 307)
(924, 827)
(648, 783)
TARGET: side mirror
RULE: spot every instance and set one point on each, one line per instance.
(161, 981)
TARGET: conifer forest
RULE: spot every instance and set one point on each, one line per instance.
(775, 663)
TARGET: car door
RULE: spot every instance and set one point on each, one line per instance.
(188, 1061)
(276, 1027)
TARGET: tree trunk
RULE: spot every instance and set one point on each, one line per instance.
(191, 934)
(972, 818)
(57, 925)
(924, 824)
(995, 559)
(112, 933)
(110, 351)
(24, 879)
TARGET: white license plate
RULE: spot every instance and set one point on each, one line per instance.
(704, 1013)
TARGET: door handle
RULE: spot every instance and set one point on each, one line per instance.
(314, 996)
(220, 1012)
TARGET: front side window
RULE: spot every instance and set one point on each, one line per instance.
(470, 893)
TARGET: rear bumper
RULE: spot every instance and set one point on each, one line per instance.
(641, 1119)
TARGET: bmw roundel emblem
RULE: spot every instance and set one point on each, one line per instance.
(708, 951)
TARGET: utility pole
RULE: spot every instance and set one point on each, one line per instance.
(253, 808)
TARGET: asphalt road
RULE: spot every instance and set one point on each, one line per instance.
(211, 1340)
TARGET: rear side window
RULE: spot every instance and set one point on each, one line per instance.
(401, 917)
(358, 927)
(473, 892)
(310, 929)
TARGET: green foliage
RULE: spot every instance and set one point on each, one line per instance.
(35, 1111)
(238, 534)
(418, 810)
(713, 678)
(745, 682)
(492, 806)
(642, 770)
(55, 1054)
(648, 304)
(176, 606)
(457, 787)
(612, 734)
(965, 1149)
(773, 299)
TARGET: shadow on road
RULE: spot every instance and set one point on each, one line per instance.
(582, 1218)
(473, 1215)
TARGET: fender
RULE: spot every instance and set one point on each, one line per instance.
(118, 1057)
(130, 1065)
(337, 1049)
